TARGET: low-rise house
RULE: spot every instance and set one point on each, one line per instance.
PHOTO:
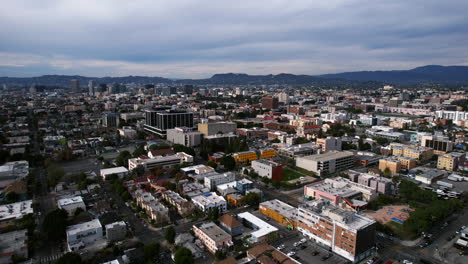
(230, 225)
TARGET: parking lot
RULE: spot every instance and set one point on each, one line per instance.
(308, 252)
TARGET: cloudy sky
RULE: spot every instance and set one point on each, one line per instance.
(197, 38)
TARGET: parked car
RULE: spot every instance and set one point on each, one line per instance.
(290, 254)
(280, 247)
(315, 253)
(329, 255)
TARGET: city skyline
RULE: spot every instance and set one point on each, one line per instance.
(186, 40)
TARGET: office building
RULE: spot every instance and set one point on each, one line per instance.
(344, 232)
(327, 163)
(75, 86)
(91, 87)
(455, 116)
(188, 89)
(71, 204)
(81, 235)
(450, 161)
(441, 145)
(269, 102)
(213, 237)
(110, 120)
(184, 136)
(267, 153)
(209, 129)
(329, 143)
(158, 122)
(269, 169)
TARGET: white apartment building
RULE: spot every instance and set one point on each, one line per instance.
(210, 200)
(71, 204)
(121, 172)
(80, 235)
(212, 180)
(455, 116)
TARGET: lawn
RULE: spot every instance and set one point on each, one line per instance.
(306, 172)
(289, 174)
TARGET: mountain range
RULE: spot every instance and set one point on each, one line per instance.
(450, 75)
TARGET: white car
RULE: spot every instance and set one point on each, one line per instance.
(302, 178)
(296, 244)
(290, 254)
(303, 240)
(280, 247)
(405, 261)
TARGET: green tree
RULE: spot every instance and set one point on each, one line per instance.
(251, 199)
(213, 213)
(387, 172)
(55, 224)
(151, 250)
(228, 162)
(139, 151)
(220, 255)
(122, 158)
(70, 258)
(170, 234)
(54, 174)
(183, 256)
(212, 164)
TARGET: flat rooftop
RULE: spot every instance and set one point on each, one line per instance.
(68, 201)
(263, 228)
(114, 170)
(280, 207)
(75, 229)
(214, 232)
(15, 210)
(329, 156)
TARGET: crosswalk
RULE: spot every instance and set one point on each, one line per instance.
(48, 259)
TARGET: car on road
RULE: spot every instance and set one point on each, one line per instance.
(303, 240)
(280, 247)
(302, 178)
(291, 253)
(296, 244)
(423, 245)
(461, 229)
(327, 256)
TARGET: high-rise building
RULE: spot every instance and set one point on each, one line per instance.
(158, 122)
(270, 102)
(283, 98)
(91, 85)
(75, 86)
(329, 143)
(168, 91)
(110, 120)
(188, 89)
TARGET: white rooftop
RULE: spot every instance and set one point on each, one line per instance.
(115, 170)
(15, 210)
(68, 201)
(75, 229)
(263, 227)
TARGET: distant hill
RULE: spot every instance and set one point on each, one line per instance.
(452, 75)
(64, 80)
(424, 74)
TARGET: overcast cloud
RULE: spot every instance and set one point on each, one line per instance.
(195, 39)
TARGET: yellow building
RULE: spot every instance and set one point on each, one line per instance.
(279, 211)
(245, 157)
(407, 163)
(267, 153)
(393, 164)
(414, 152)
(450, 161)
